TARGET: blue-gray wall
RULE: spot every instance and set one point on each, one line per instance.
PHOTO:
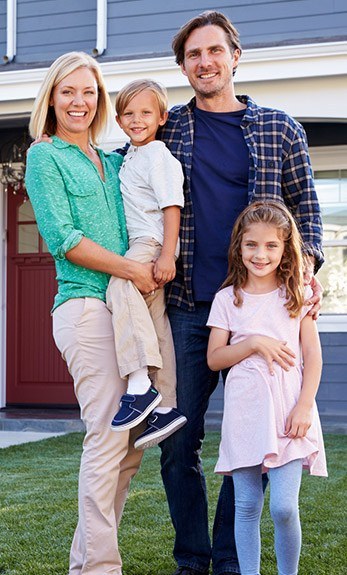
(143, 28)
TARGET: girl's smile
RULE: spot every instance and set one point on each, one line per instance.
(262, 249)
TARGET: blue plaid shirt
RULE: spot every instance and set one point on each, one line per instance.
(279, 170)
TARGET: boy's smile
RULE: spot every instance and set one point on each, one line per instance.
(141, 118)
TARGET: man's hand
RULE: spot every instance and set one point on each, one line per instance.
(316, 298)
(317, 288)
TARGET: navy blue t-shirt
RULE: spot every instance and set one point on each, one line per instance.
(219, 185)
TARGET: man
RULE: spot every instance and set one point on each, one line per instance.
(232, 152)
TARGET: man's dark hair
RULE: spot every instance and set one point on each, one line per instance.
(208, 18)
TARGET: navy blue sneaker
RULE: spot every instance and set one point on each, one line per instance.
(135, 408)
(159, 427)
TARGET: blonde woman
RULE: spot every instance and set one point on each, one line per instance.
(74, 190)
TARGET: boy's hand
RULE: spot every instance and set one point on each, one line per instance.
(164, 269)
(299, 421)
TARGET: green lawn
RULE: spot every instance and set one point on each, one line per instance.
(38, 501)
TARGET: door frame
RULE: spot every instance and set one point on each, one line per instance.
(3, 299)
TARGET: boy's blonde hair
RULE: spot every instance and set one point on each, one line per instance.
(43, 119)
(134, 88)
(289, 272)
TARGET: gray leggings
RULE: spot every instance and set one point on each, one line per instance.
(284, 508)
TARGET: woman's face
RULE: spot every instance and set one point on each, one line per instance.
(75, 101)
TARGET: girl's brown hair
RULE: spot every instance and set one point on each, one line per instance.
(290, 270)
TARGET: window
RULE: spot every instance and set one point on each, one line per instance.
(331, 186)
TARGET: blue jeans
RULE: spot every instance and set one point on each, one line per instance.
(182, 471)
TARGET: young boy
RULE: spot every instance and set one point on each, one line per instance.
(152, 189)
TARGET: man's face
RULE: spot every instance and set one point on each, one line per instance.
(208, 62)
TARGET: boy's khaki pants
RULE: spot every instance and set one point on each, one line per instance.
(82, 330)
(141, 327)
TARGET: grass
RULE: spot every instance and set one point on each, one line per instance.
(38, 512)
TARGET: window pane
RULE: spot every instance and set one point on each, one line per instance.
(334, 222)
(333, 278)
(26, 212)
(328, 186)
(344, 185)
(28, 239)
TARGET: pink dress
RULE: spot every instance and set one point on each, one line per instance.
(256, 404)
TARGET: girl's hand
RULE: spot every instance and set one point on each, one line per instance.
(299, 421)
(273, 350)
(164, 269)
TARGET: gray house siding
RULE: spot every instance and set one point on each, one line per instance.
(332, 394)
(144, 28)
(48, 28)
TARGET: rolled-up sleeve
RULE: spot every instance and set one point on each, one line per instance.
(49, 198)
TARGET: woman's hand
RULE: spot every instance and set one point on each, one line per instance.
(271, 350)
(143, 278)
(298, 421)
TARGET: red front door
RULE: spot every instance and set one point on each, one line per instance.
(36, 373)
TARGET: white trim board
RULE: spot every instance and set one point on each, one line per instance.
(263, 64)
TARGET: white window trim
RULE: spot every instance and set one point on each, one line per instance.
(330, 158)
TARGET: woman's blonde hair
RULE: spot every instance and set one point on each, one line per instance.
(289, 272)
(134, 88)
(43, 119)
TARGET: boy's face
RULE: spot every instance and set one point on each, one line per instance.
(141, 118)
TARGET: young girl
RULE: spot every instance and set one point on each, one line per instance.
(261, 330)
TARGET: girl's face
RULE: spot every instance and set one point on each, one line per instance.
(75, 101)
(262, 249)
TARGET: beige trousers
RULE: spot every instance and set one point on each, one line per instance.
(141, 327)
(83, 333)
